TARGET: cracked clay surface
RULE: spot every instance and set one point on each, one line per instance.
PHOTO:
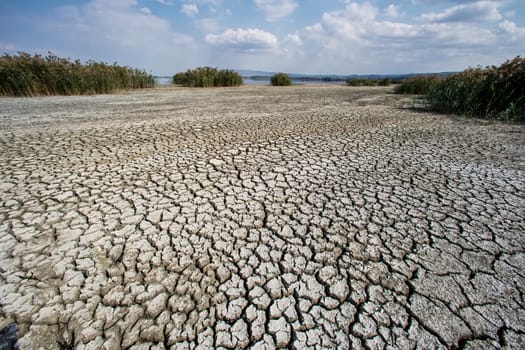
(259, 217)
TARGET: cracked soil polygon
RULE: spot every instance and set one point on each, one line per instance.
(300, 217)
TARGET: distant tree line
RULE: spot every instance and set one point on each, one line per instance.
(27, 75)
(207, 77)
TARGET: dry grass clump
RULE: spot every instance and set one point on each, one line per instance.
(26, 75)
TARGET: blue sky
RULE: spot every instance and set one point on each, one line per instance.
(299, 36)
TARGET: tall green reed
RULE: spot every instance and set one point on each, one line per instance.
(281, 79)
(27, 75)
(370, 82)
(489, 92)
(418, 85)
(207, 77)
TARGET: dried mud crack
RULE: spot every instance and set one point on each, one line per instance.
(259, 217)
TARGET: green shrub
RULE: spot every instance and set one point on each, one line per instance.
(281, 79)
(207, 77)
(359, 82)
(180, 78)
(226, 77)
(385, 82)
(368, 82)
(418, 85)
(458, 93)
(491, 92)
(26, 75)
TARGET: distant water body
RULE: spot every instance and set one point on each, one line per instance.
(164, 81)
(248, 81)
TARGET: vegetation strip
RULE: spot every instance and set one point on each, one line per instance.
(370, 82)
(207, 77)
(26, 75)
(281, 79)
(490, 92)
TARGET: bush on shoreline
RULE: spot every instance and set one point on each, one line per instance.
(281, 79)
(417, 85)
(26, 75)
(207, 77)
(490, 92)
(369, 82)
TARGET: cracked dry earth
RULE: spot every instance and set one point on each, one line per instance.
(261, 217)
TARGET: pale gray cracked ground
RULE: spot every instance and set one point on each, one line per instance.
(298, 217)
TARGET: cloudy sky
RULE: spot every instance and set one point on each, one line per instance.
(299, 36)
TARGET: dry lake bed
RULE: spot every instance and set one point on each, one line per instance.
(259, 217)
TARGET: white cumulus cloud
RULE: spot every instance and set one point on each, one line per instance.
(251, 39)
(164, 2)
(392, 11)
(276, 9)
(353, 23)
(294, 39)
(515, 32)
(477, 11)
(190, 10)
(358, 35)
(359, 23)
(123, 31)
